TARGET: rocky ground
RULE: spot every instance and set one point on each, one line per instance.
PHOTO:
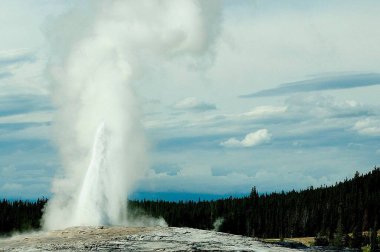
(134, 239)
(143, 239)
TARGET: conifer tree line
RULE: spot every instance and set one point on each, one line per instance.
(351, 206)
(19, 215)
(329, 212)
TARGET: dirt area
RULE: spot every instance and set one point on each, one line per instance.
(307, 241)
(135, 239)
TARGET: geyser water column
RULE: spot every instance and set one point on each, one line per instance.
(94, 197)
(99, 50)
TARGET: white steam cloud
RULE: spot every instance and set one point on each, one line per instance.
(218, 223)
(100, 49)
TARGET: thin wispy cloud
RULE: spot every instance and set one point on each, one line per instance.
(320, 83)
(32, 117)
(265, 111)
(194, 104)
(13, 57)
(22, 104)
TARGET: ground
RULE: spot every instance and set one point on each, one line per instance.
(135, 239)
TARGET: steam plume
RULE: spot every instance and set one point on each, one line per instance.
(99, 49)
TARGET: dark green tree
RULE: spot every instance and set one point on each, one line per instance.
(339, 235)
(357, 238)
(374, 240)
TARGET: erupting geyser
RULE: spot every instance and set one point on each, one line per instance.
(94, 200)
(99, 50)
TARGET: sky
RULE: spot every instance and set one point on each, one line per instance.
(287, 99)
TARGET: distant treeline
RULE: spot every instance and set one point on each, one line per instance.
(351, 206)
(18, 216)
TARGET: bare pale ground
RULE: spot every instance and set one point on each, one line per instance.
(134, 239)
(307, 241)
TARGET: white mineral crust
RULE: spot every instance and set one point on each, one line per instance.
(134, 239)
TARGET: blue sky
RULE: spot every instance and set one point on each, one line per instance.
(288, 99)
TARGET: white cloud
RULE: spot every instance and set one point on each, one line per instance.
(368, 126)
(194, 104)
(324, 106)
(252, 139)
(264, 111)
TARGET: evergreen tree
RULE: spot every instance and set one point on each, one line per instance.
(338, 235)
(357, 238)
(373, 239)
